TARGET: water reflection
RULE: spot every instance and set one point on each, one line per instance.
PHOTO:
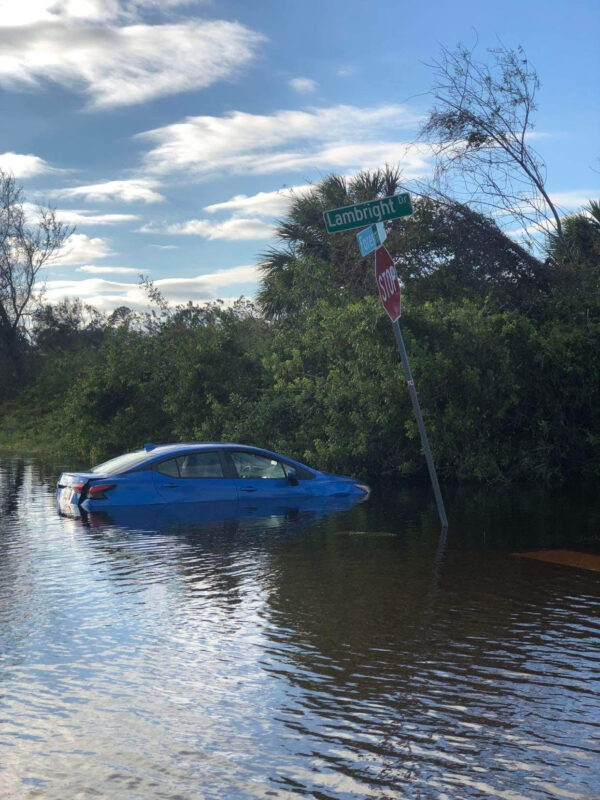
(12, 475)
(212, 516)
(341, 652)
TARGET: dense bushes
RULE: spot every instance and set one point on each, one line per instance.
(504, 397)
(505, 351)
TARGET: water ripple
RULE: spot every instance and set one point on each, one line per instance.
(287, 657)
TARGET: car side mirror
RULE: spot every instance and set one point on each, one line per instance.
(292, 477)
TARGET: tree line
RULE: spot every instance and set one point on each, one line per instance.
(504, 338)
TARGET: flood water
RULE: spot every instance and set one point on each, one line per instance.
(314, 652)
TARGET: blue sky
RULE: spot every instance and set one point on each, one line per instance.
(170, 133)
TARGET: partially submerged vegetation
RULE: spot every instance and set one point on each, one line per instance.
(504, 340)
(505, 349)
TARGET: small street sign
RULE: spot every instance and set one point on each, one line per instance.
(373, 214)
(361, 214)
(386, 278)
(371, 238)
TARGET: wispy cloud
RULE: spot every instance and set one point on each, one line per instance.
(303, 85)
(133, 190)
(110, 294)
(82, 218)
(575, 199)
(28, 12)
(78, 217)
(320, 138)
(234, 229)
(24, 166)
(114, 64)
(263, 204)
(99, 270)
(212, 282)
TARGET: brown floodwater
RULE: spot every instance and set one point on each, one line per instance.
(314, 652)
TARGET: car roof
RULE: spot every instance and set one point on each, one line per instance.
(160, 450)
(171, 448)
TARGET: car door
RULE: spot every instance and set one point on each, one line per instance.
(261, 476)
(193, 477)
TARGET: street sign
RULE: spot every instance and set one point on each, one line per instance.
(373, 214)
(371, 238)
(386, 279)
(361, 214)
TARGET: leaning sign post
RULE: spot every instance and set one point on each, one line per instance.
(389, 292)
(386, 278)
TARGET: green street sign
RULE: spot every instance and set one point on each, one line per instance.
(362, 214)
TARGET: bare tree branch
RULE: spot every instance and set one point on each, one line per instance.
(25, 247)
(481, 128)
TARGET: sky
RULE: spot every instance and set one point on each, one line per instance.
(171, 133)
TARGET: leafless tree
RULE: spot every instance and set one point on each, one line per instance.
(481, 131)
(25, 247)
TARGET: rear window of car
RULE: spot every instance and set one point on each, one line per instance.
(168, 467)
(121, 463)
(192, 465)
(200, 465)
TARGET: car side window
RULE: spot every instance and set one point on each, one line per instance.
(301, 473)
(252, 465)
(200, 465)
(168, 467)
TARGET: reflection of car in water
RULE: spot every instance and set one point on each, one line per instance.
(189, 517)
(192, 473)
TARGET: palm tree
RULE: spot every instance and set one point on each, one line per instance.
(312, 263)
(444, 249)
(582, 234)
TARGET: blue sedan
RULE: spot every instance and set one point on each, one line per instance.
(189, 473)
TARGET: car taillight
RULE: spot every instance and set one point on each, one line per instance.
(97, 492)
(77, 486)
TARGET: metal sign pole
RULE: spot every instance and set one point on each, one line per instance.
(421, 425)
(359, 216)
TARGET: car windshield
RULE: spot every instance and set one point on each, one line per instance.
(121, 463)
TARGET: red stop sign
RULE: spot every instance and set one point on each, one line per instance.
(386, 278)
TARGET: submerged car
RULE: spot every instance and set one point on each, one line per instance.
(191, 473)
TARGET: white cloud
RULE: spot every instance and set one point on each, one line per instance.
(412, 158)
(127, 191)
(181, 289)
(570, 202)
(23, 166)
(79, 217)
(263, 204)
(242, 143)
(122, 65)
(234, 230)
(303, 85)
(89, 218)
(574, 200)
(109, 270)
(165, 246)
(28, 12)
(79, 249)
(108, 295)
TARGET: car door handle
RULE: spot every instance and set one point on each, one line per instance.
(169, 486)
(249, 489)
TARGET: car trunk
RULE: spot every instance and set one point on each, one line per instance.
(72, 486)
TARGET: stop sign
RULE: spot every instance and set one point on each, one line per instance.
(386, 278)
